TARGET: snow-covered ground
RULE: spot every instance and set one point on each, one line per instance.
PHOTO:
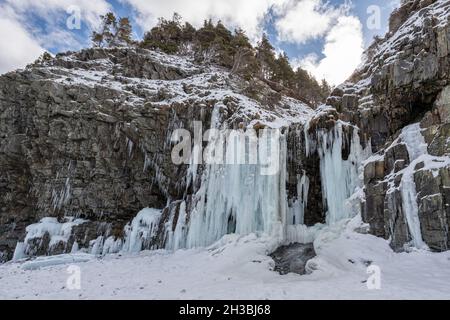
(237, 267)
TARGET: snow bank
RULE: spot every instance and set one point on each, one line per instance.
(237, 267)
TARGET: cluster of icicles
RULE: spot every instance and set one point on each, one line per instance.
(238, 199)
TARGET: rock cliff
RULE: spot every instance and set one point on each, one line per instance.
(405, 80)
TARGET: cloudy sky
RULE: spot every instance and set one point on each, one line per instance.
(325, 37)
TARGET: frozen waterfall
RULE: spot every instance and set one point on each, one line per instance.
(238, 198)
(416, 145)
(340, 178)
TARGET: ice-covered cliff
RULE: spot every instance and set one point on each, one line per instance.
(86, 145)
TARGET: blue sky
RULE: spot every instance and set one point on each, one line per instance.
(325, 37)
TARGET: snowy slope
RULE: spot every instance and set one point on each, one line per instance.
(196, 83)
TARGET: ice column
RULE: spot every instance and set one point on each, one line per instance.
(340, 178)
(416, 145)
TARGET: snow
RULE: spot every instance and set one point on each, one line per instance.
(220, 250)
(204, 83)
(390, 50)
(237, 267)
(64, 259)
(415, 142)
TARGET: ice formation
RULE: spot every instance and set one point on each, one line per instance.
(296, 214)
(417, 147)
(238, 199)
(57, 232)
(243, 197)
(141, 230)
(340, 178)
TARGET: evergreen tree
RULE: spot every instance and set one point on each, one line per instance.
(111, 32)
(109, 27)
(188, 33)
(166, 36)
(223, 50)
(283, 72)
(244, 61)
(124, 31)
(265, 55)
(214, 43)
(206, 35)
(325, 89)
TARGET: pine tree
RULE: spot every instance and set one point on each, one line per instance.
(188, 32)
(124, 31)
(244, 61)
(111, 32)
(325, 89)
(223, 50)
(206, 35)
(166, 36)
(265, 55)
(97, 39)
(283, 72)
(109, 28)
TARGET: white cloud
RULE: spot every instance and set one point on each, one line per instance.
(51, 10)
(21, 42)
(247, 14)
(300, 21)
(17, 47)
(343, 51)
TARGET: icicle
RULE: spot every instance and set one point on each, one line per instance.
(239, 199)
(416, 145)
(176, 236)
(299, 205)
(340, 178)
(141, 230)
(129, 146)
(112, 245)
(410, 209)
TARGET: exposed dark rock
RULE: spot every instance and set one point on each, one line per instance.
(293, 258)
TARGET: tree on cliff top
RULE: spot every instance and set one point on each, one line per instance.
(112, 32)
(215, 44)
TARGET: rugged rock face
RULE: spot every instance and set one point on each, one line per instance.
(405, 80)
(73, 144)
